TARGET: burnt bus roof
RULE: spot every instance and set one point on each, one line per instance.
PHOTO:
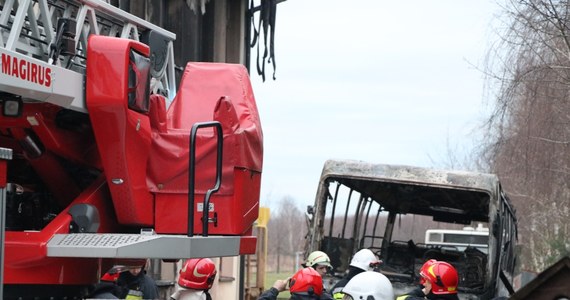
(452, 196)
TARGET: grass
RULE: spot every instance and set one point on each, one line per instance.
(270, 278)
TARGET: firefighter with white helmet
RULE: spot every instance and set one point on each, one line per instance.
(365, 260)
(368, 285)
(319, 261)
(362, 261)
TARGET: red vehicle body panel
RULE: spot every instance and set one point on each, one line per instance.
(25, 253)
(123, 135)
(223, 93)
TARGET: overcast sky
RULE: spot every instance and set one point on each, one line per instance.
(381, 81)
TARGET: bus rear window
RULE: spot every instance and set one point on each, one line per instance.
(464, 239)
(435, 237)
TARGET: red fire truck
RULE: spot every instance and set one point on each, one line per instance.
(105, 157)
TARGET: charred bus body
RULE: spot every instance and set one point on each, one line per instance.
(388, 208)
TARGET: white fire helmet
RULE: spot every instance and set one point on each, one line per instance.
(365, 260)
(318, 258)
(369, 285)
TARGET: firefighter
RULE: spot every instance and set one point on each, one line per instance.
(363, 260)
(107, 287)
(319, 261)
(368, 285)
(306, 284)
(419, 290)
(195, 280)
(135, 283)
(439, 280)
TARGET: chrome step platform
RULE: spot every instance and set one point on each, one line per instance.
(141, 246)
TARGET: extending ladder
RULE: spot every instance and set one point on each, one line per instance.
(53, 34)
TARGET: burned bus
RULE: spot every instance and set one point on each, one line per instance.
(388, 208)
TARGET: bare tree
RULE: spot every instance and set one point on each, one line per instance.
(529, 134)
(286, 231)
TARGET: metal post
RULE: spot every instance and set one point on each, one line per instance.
(5, 154)
(298, 260)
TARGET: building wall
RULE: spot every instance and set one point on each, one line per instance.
(218, 35)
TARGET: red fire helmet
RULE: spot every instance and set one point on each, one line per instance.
(423, 270)
(198, 274)
(306, 281)
(442, 276)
